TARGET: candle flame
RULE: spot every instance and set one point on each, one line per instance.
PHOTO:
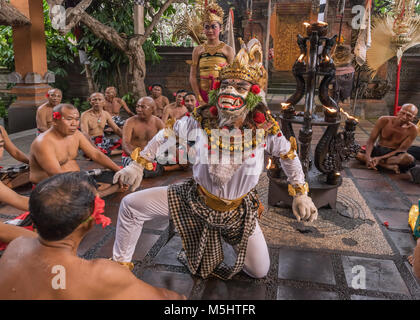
(301, 57)
(327, 58)
(306, 24)
(349, 116)
(285, 105)
(269, 164)
(331, 110)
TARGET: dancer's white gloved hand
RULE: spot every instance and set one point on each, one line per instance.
(131, 175)
(304, 209)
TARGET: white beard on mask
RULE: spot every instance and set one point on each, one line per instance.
(222, 173)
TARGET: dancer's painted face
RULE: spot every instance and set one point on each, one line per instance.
(232, 95)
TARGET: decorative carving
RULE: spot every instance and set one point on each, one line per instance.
(49, 77)
(376, 89)
(285, 40)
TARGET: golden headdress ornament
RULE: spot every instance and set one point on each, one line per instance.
(213, 12)
(247, 65)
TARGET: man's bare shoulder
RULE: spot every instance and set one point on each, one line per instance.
(157, 121)
(86, 113)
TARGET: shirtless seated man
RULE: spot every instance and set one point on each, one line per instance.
(113, 105)
(13, 176)
(177, 109)
(55, 150)
(64, 208)
(138, 131)
(44, 112)
(93, 122)
(396, 134)
(161, 101)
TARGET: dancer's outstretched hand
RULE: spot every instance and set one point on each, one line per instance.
(131, 175)
(304, 209)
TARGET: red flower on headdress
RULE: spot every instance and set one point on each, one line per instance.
(47, 95)
(174, 94)
(255, 89)
(259, 117)
(213, 111)
(97, 213)
(216, 85)
(150, 88)
(56, 115)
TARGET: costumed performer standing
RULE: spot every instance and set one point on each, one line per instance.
(220, 201)
(210, 54)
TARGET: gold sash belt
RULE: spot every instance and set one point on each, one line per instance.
(219, 204)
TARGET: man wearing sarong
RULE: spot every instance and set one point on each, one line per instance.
(231, 134)
(93, 122)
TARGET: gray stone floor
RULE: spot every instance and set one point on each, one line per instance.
(294, 273)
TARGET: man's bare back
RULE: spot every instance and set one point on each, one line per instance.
(34, 276)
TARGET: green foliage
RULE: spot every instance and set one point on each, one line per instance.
(252, 100)
(384, 6)
(213, 97)
(7, 58)
(3, 109)
(130, 100)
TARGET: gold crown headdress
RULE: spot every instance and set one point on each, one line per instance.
(213, 12)
(247, 65)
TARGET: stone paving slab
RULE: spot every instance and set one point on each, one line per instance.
(290, 293)
(381, 275)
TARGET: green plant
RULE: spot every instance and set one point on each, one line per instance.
(130, 100)
(3, 109)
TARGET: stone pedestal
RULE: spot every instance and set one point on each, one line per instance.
(31, 75)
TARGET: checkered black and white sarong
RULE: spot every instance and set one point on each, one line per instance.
(202, 229)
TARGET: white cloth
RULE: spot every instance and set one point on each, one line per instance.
(246, 176)
(364, 39)
(139, 207)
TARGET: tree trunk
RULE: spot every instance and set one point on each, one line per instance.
(138, 66)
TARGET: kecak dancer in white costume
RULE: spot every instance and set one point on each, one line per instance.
(220, 201)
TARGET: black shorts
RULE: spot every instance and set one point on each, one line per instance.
(379, 151)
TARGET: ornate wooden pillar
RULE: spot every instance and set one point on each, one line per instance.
(31, 74)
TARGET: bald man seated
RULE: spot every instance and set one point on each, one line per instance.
(395, 134)
(137, 133)
(93, 122)
(44, 111)
(64, 209)
(55, 150)
(113, 105)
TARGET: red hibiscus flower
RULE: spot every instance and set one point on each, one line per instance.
(255, 89)
(216, 85)
(47, 95)
(97, 213)
(150, 88)
(259, 117)
(56, 115)
(213, 111)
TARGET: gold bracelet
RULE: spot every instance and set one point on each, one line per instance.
(135, 156)
(299, 189)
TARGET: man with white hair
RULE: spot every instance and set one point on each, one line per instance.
(220, 201)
